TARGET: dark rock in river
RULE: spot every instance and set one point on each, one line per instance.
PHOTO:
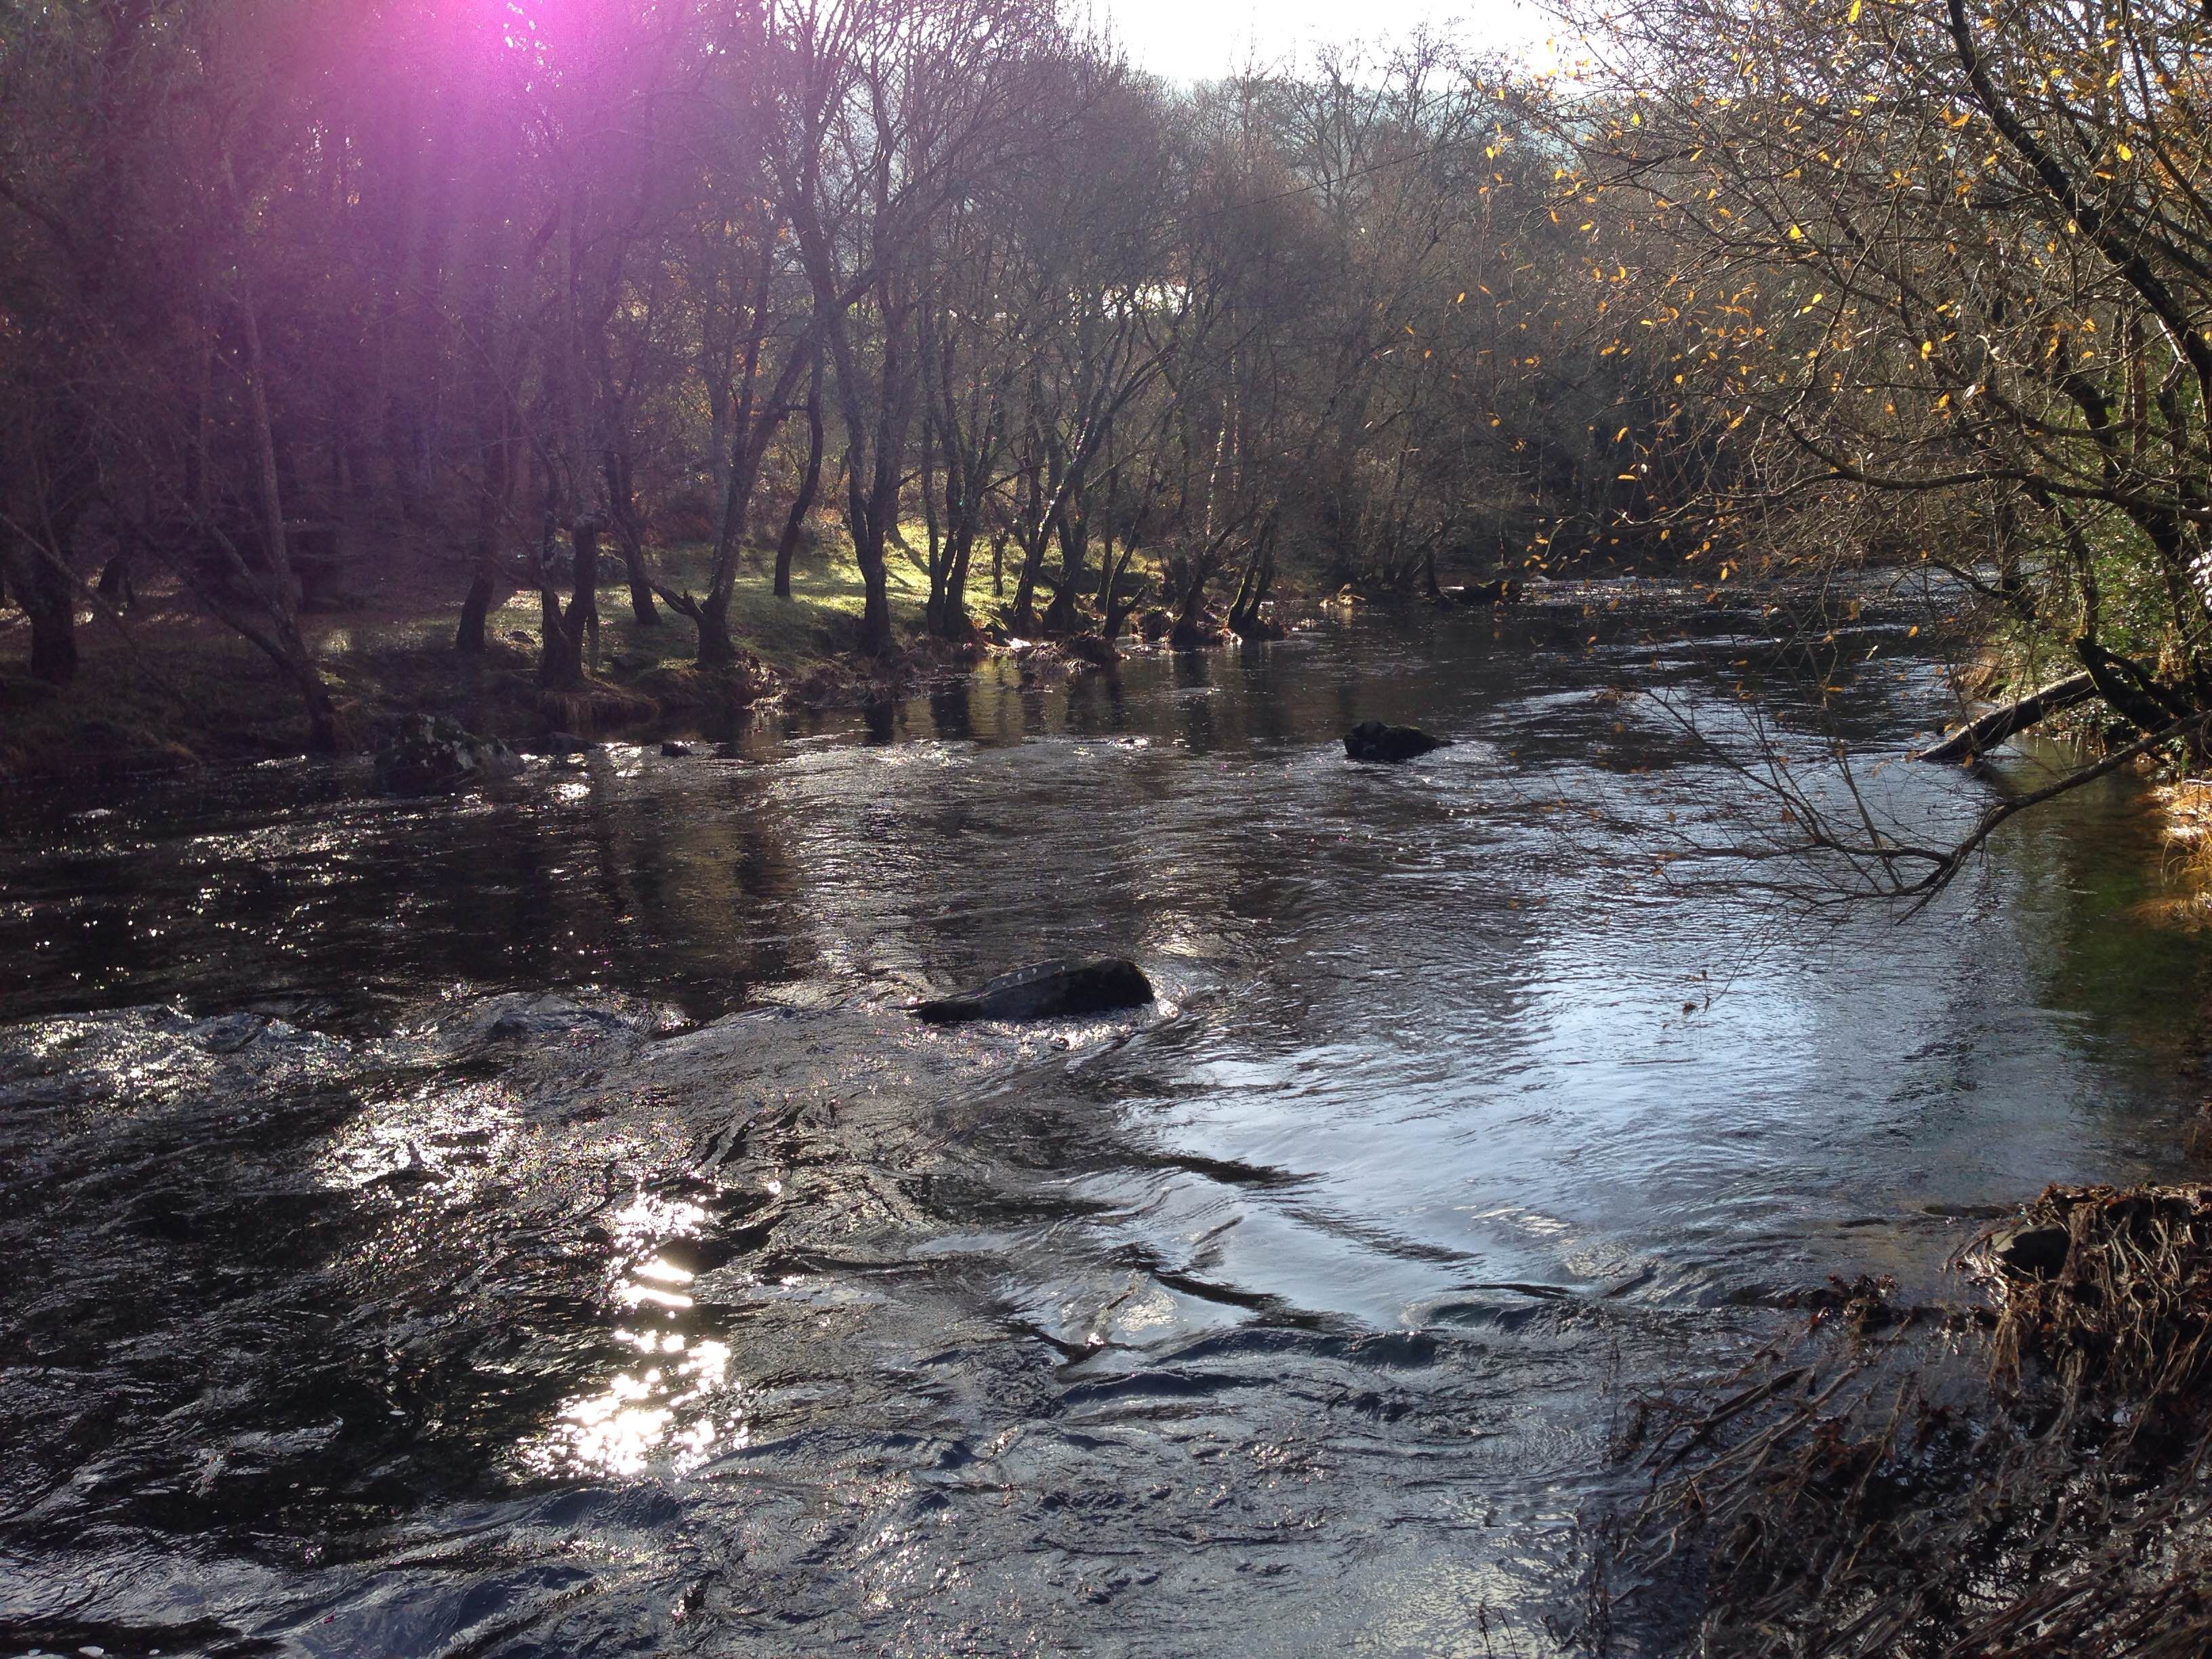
(675, 751)
(1504, 591)
(2035, 1252)
(560, 743)
(429, 755)
(1046, 990)
(1372, 740)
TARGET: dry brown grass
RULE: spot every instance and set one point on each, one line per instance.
(2020, 1478)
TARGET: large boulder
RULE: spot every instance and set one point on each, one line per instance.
(1045, 991)
(429, 755)
(1373, 740)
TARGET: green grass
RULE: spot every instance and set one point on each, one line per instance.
(817, 623)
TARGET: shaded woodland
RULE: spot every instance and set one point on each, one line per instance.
(545, 289)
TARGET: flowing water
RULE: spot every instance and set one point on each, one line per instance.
(529, 1225)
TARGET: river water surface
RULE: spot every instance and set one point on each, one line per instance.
(529, 1225)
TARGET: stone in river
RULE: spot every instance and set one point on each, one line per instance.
(1046, 990)
(2032, 1252)
(1372, 740)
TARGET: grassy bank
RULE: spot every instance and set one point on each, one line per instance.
(163, 685)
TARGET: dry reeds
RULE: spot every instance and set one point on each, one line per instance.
(2018, 1480)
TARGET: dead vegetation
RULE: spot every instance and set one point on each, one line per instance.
(2020, 1478)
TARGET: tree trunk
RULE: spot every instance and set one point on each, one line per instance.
(876, 607)
(810, 481)
(1994, 728)
(484, 583)
(1060, 618)
(476, 608)
(43, 590)
(561, 663)
(1022, 619)
(629, 535)
(283, 599)
(115, 582)
(716, 648)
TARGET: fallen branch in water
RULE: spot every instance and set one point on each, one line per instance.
(1980, 736)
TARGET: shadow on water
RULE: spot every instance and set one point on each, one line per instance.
(532, 1227)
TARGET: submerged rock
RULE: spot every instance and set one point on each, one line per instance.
(1373, 740)
(429, 755)
(1045, 990)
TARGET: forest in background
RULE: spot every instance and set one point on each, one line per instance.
(518, 297)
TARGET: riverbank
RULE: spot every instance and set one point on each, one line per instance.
(164, 686)
(2012, 1472)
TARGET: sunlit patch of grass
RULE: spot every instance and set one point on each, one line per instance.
(820, 620)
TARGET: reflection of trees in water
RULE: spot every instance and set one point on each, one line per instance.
(951, 712)
(690, 896)
(2082, 878)
(1098, 705)
(879, 720)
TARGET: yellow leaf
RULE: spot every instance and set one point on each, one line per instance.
(1618, 435)
(1854, 17)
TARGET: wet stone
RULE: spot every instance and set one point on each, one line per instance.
(2035, 1252)
(1046, 990)
(1374, 740)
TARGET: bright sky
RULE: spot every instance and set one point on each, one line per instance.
(1201, 39)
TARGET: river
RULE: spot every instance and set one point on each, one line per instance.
(530, 1225)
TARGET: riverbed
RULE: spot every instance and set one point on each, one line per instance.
(530, 1225)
